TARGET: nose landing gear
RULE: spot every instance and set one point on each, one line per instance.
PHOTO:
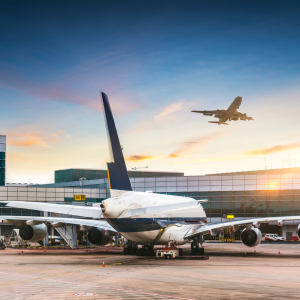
(195, 249)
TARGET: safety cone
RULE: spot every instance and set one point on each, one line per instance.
(279, 252)
(254, 250)
(22, 251)
(103, 265)
(245, 254)
(44, 250)
(19, 253)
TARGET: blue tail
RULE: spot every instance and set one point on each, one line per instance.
(116, 169)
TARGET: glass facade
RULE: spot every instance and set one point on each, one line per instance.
(2, 159)
(70, 175)
(244, 196)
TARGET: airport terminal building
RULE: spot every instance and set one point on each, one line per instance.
(251, 194)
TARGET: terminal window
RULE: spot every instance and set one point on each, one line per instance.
(2, 168)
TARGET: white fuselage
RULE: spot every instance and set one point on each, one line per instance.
(154, 227)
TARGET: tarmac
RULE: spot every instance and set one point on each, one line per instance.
(233, 271)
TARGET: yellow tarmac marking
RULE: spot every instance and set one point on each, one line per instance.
(49, 276)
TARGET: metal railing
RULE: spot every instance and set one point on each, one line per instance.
(68, 239)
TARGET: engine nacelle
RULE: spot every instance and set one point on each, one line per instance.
(298, 231)
(100, 236)
(33, 233)
(251, 237)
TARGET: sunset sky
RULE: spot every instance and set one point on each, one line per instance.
(156, 61)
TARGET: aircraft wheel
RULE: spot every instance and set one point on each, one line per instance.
(201, 251)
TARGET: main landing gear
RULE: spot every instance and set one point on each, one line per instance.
(195, 249)
(146, 250)
(132, 249)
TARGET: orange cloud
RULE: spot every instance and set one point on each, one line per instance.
(188, 146)
(19, 139)
(140, 157)
(274, 149)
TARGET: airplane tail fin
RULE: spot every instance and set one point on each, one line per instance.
(117, 173)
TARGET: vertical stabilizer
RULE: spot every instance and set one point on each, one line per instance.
(116, 169)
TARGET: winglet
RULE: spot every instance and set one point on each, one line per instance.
(117, 173)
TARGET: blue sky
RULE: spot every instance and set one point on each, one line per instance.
(157, 61)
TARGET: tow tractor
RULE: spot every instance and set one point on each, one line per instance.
(169, 251)
(172, 250)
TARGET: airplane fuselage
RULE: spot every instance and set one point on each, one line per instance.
(152, 228)
(231, 110)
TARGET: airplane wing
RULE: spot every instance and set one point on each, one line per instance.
(218, 112)
(75, 210)
(242, 116)
(23, 220)
(214, 228)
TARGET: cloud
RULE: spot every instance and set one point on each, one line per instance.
(120, 103)
(44, 139)
(190, 145)
(169, 115)
(171, 109)
(140, 157)
(274, 149)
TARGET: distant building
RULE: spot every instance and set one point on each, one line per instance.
(244, 195)
(69, 175)
(2, 159)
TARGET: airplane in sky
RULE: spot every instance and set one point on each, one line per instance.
(147, 218)
(230, 114)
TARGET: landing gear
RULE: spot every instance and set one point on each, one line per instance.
(130, 248)
(146, 250)
(195, 249)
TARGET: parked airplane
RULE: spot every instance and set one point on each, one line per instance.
(230, 114)
(149, 219)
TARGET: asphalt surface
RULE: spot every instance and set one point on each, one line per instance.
(77, 274)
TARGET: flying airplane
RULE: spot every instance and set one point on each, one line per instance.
(149, 219)
(230, 114)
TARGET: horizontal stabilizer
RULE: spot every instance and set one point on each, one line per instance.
(153, 209)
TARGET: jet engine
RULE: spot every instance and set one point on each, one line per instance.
(251, 237)
(33, 233)
(100, 236)
(298, 231)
